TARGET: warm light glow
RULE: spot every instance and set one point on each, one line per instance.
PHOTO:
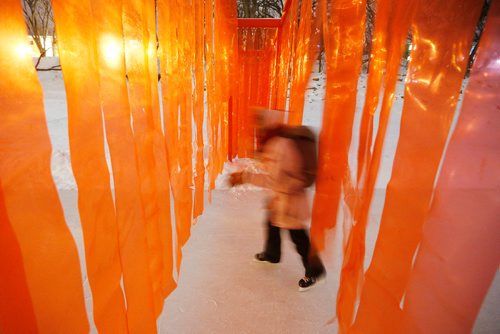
(23, 50)
(111, 49)
(151, 49)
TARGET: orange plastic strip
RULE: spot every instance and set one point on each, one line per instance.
(286, 41)
(16, 309)
(162, 172)
(378, 57)
(199, 109)
(136, 42)
(458, 257)
(306, 51)
(186, 61)
(235, 85)
(219, 114)
(343, 30)
(257, 62)
(175, 39)
(31, 204)
(169, 58)
(226, 29)
(86, 139)
(433, 85)
(398, 16)
(211, 93)
(245, 142)
(132, 229)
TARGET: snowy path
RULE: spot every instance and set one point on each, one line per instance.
(221, 290)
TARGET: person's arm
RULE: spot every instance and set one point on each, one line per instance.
(257, 179)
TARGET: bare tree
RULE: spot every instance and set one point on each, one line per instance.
(371, 9)
(40, 21)
(477, 34)
(260, 8)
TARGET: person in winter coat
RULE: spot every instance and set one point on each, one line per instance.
(288, 206)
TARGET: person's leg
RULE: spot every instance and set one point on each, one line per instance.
(312, 263)
(272, 247)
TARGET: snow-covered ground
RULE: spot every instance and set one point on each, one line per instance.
(221, 290)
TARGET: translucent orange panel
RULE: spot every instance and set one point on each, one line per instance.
(176, 39)
(394, 21)
(86, 139)
(30, 211)
(16, 310)
(285, 47)
(458, 257)
(136, 46)
(199, 108)
(305, 56)
(257, 57)
(343, 39)
(442, 34)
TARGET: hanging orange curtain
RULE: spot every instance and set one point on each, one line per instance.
(136, 46)
(398, 16)
(221, 60)
(132, 228)
(257, 58)
(16, 310)
(210, 79)
(177, 62)
(377, 65)
(343, 30)
(160, 153)
(458, 256)
(434, 78)
(305, 56)
(286, 40)
(29, 206)
(85, 117)
(199, 108)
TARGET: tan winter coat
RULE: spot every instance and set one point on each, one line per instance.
(282, 165)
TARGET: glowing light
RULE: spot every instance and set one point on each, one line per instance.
(134, 43)
(23, 50)
(151, 49)
(111, 50)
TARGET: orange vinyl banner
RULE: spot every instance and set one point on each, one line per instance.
(112, 89)
(221, 59)
(433, 85)
(306, 51)
(395, 19)
(285, 50)
(147, 135)
(199, 108)
(160, 153)
(257, 57)
(47, 280)
(16, 310)
(458, 256)
(343, 30)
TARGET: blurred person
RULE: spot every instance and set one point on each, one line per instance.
(288, 156)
